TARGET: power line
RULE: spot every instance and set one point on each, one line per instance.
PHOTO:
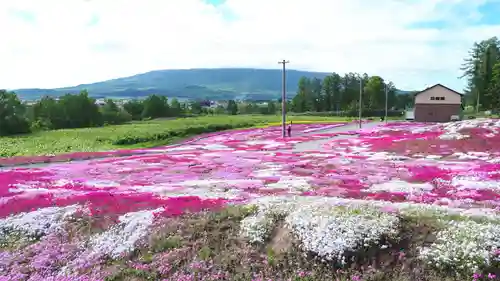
(283, 97)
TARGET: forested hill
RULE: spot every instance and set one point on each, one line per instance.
(214, 84)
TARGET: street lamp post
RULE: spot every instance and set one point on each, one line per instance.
(386, 98)
(360, 99)
(283, 98)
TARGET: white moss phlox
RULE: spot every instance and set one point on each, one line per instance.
(256, 228)
(38, 222)
(122, 237)
(329, 230)
(464, 245)
(333, 232)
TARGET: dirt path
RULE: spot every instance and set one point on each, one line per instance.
(317, 144)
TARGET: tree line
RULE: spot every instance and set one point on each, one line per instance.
(481, 68)
(337, 93)
(81, 111)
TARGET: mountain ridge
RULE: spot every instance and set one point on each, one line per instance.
(196, 83)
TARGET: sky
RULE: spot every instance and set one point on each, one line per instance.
(413, 43)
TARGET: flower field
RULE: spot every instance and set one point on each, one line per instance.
(402, 201)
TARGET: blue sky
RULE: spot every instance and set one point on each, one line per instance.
(413, 43)
(490, 12)
(216, 2)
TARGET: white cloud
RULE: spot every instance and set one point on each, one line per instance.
(60, 48)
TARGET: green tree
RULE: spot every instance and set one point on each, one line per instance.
(271, 107)
(232, 107)
(301, 102)
(331, 92)
(314, 95)
(245, 108)
(350, 95)
(196, 107)
(134, 108)
(403, 101)
(12, 115)
(48, 114)
(80, 111)
(391, 95)
(374, 93)
(478, 69)
(155, 107)
(342, 94)
(112, 114)
(184, 107)
(175, 108)
(493, 91)
(220, 110)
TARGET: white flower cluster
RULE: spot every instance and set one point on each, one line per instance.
(286, 204)
(256, 228)
(464, 245)
(401, 186)
(472, 155)
(267, 170)
(282, 205)
(36, 223)
(328, 229)
(477, 183)
(292, 184)
(121, 238)
(452, 129)
(332, 227)
(332, 232)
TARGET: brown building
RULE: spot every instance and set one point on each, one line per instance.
(437, 104)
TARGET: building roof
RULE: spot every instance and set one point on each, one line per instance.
(451, 90)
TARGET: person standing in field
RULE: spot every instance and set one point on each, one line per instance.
(289, 129)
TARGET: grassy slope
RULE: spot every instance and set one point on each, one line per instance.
(137, 134)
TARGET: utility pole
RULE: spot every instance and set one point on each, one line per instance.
(360, 98)
(283, 97)
(386, 98)
(477, 101)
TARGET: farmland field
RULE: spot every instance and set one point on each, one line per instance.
(396, 201)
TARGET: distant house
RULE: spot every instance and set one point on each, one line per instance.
(437, 104)
(100, 102)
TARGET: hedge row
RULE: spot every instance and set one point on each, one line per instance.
(179, 133)
(353, 113)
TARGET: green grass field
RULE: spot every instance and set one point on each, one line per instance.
(134, 135)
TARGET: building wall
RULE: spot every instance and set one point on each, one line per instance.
(450, 97)
(436, 112)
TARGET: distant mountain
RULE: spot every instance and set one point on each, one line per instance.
(213, 84)
(403, 92)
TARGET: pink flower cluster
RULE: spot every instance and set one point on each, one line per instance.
(451, 140)
(244, 164)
